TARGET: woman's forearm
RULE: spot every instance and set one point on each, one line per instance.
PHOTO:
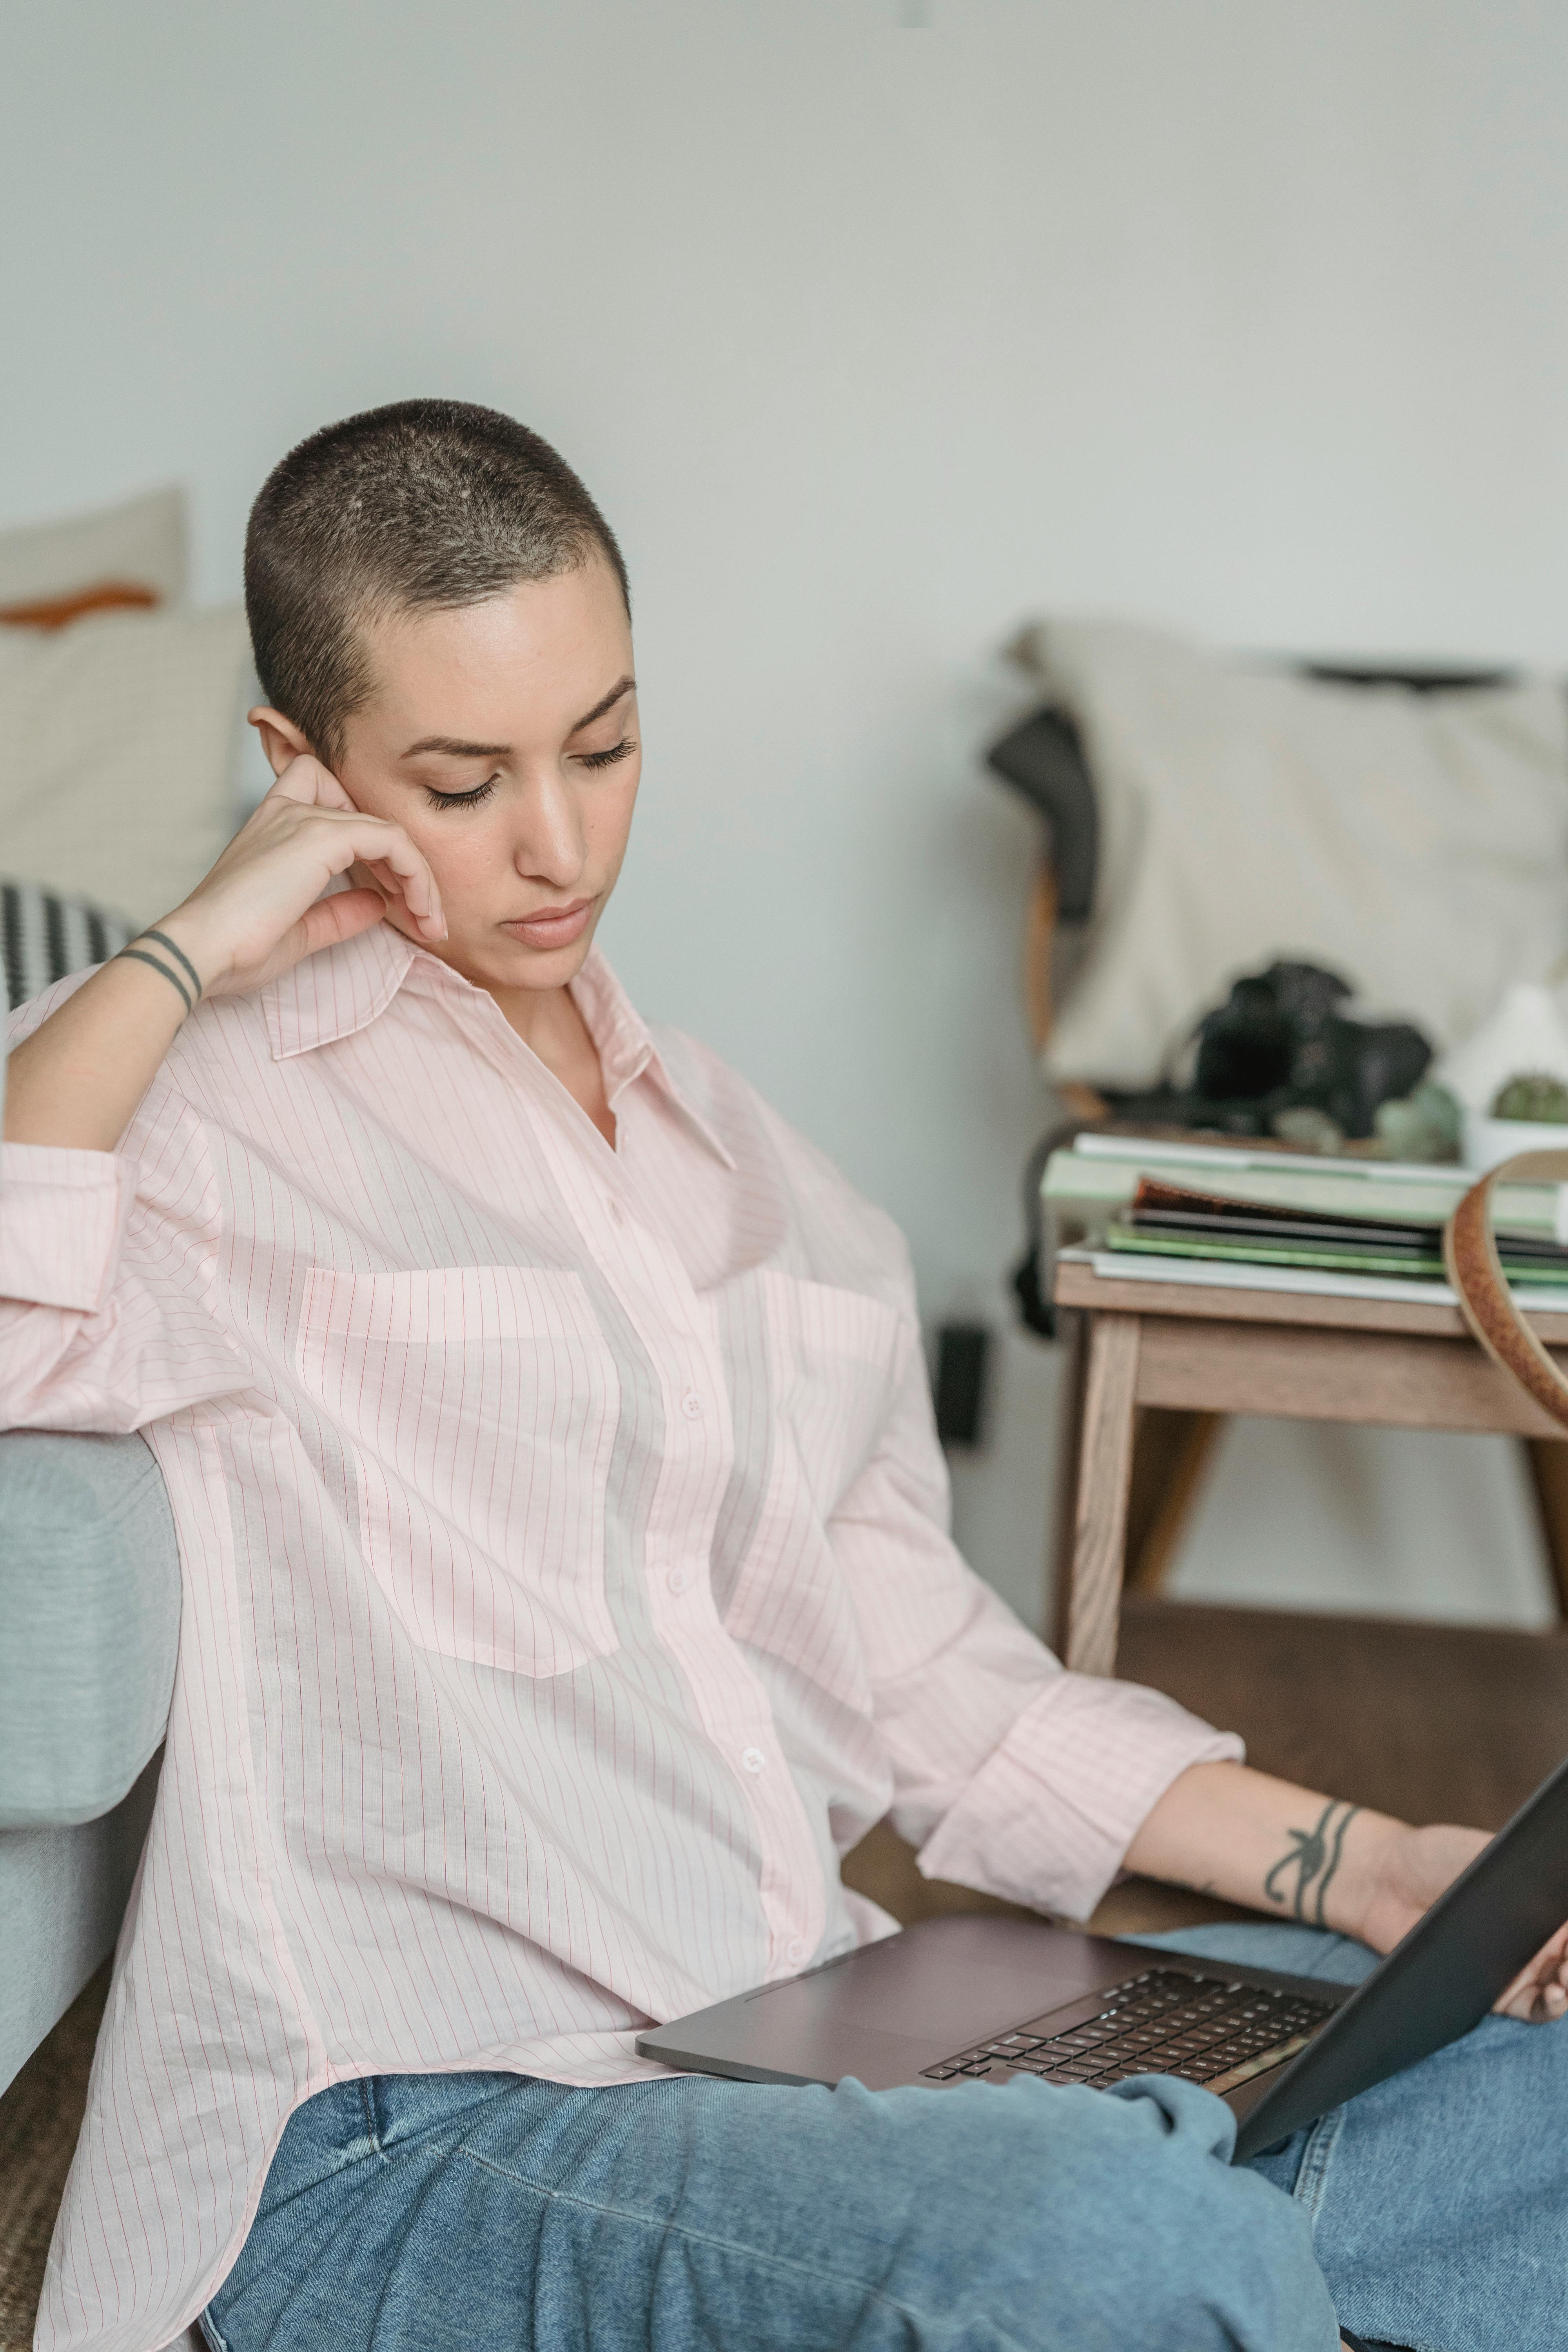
(1228, 1831)
(78, 1079)
(1296, 1854)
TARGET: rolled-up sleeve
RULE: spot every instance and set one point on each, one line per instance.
(106, 1258)
(1009, 1774)
(104, 1324)
(1051, 1812)
(61, 1223)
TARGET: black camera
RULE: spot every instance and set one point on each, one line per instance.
(1281, 1041)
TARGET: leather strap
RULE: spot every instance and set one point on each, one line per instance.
(1470, 1255)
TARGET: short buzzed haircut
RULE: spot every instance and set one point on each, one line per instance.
(427, 504)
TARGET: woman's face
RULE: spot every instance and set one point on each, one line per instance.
(503, 738)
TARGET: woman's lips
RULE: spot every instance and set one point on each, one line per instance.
(553, 927)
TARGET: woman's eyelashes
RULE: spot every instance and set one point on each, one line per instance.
(477, 792)
(621, 750)
(470, 799)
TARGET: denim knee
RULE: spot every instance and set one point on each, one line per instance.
(1192, 2251)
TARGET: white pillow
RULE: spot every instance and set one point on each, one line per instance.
(1416, 842)
(141, 543)
(115, 740)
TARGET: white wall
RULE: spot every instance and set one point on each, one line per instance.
(870, 339)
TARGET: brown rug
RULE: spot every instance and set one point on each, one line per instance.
(40, 2117)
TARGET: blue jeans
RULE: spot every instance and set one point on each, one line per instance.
(499, 2213)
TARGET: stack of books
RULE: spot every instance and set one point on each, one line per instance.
(1214, 1214)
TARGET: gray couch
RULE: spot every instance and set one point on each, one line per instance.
(90, 1613)
(89, 1623)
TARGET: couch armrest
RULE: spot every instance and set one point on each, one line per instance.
(90, 1613)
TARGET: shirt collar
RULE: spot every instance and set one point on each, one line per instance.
(330, 996)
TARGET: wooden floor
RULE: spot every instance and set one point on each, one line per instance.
(1454, 1723)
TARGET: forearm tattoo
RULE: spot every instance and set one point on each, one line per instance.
(1314, 1856)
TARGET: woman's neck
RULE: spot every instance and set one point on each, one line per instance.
(550, 1023)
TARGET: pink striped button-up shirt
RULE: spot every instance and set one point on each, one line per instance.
(566, 1581)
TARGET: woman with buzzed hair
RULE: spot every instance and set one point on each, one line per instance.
(566, 1586)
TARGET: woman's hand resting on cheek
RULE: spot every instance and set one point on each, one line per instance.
(260, 909)
(75, 1083)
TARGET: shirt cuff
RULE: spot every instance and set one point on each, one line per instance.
(61, 1216)
(1050, 1815)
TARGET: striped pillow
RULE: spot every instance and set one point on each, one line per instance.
(43, 938)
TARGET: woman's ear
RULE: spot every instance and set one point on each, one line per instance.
(280, 738)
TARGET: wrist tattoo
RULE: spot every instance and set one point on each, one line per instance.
(1314, 1856)
(181, 958)
(189, 985)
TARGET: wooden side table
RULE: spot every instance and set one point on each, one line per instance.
(1205, 1352)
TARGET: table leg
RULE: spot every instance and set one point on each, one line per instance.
(1172, 1452)
(1072, 1330)
(1548, 1460)
(1093, 1602)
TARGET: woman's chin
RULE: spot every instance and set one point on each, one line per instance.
(501, 962)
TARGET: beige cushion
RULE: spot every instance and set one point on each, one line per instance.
(1417, 844)
(141, 543)
(116, 745)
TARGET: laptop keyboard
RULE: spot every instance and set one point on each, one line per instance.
(1201, 2029)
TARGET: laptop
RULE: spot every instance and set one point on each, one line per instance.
(980, 1998)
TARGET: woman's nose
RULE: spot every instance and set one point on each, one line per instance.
(549, 843)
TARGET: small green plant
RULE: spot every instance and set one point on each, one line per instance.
(1534, 1095)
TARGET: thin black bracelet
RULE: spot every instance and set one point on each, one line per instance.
(172, 977)
(177, 952)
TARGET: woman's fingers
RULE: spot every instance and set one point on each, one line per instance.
(307, 779)
(342, 916)
(402, 873)
(347, 839)
(1539, 1994)
(307, 782)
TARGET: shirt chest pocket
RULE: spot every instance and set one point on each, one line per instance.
(480, 1404)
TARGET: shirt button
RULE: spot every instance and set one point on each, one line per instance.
(753, 1759)
(795, 1948)
(614, 1209)
(678, 1580)
(692, 1405)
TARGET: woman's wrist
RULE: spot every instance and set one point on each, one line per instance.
(183, 934)
(162, 954)
(1349, 1866)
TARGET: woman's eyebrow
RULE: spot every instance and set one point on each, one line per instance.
(626, 686)
(452, 747)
